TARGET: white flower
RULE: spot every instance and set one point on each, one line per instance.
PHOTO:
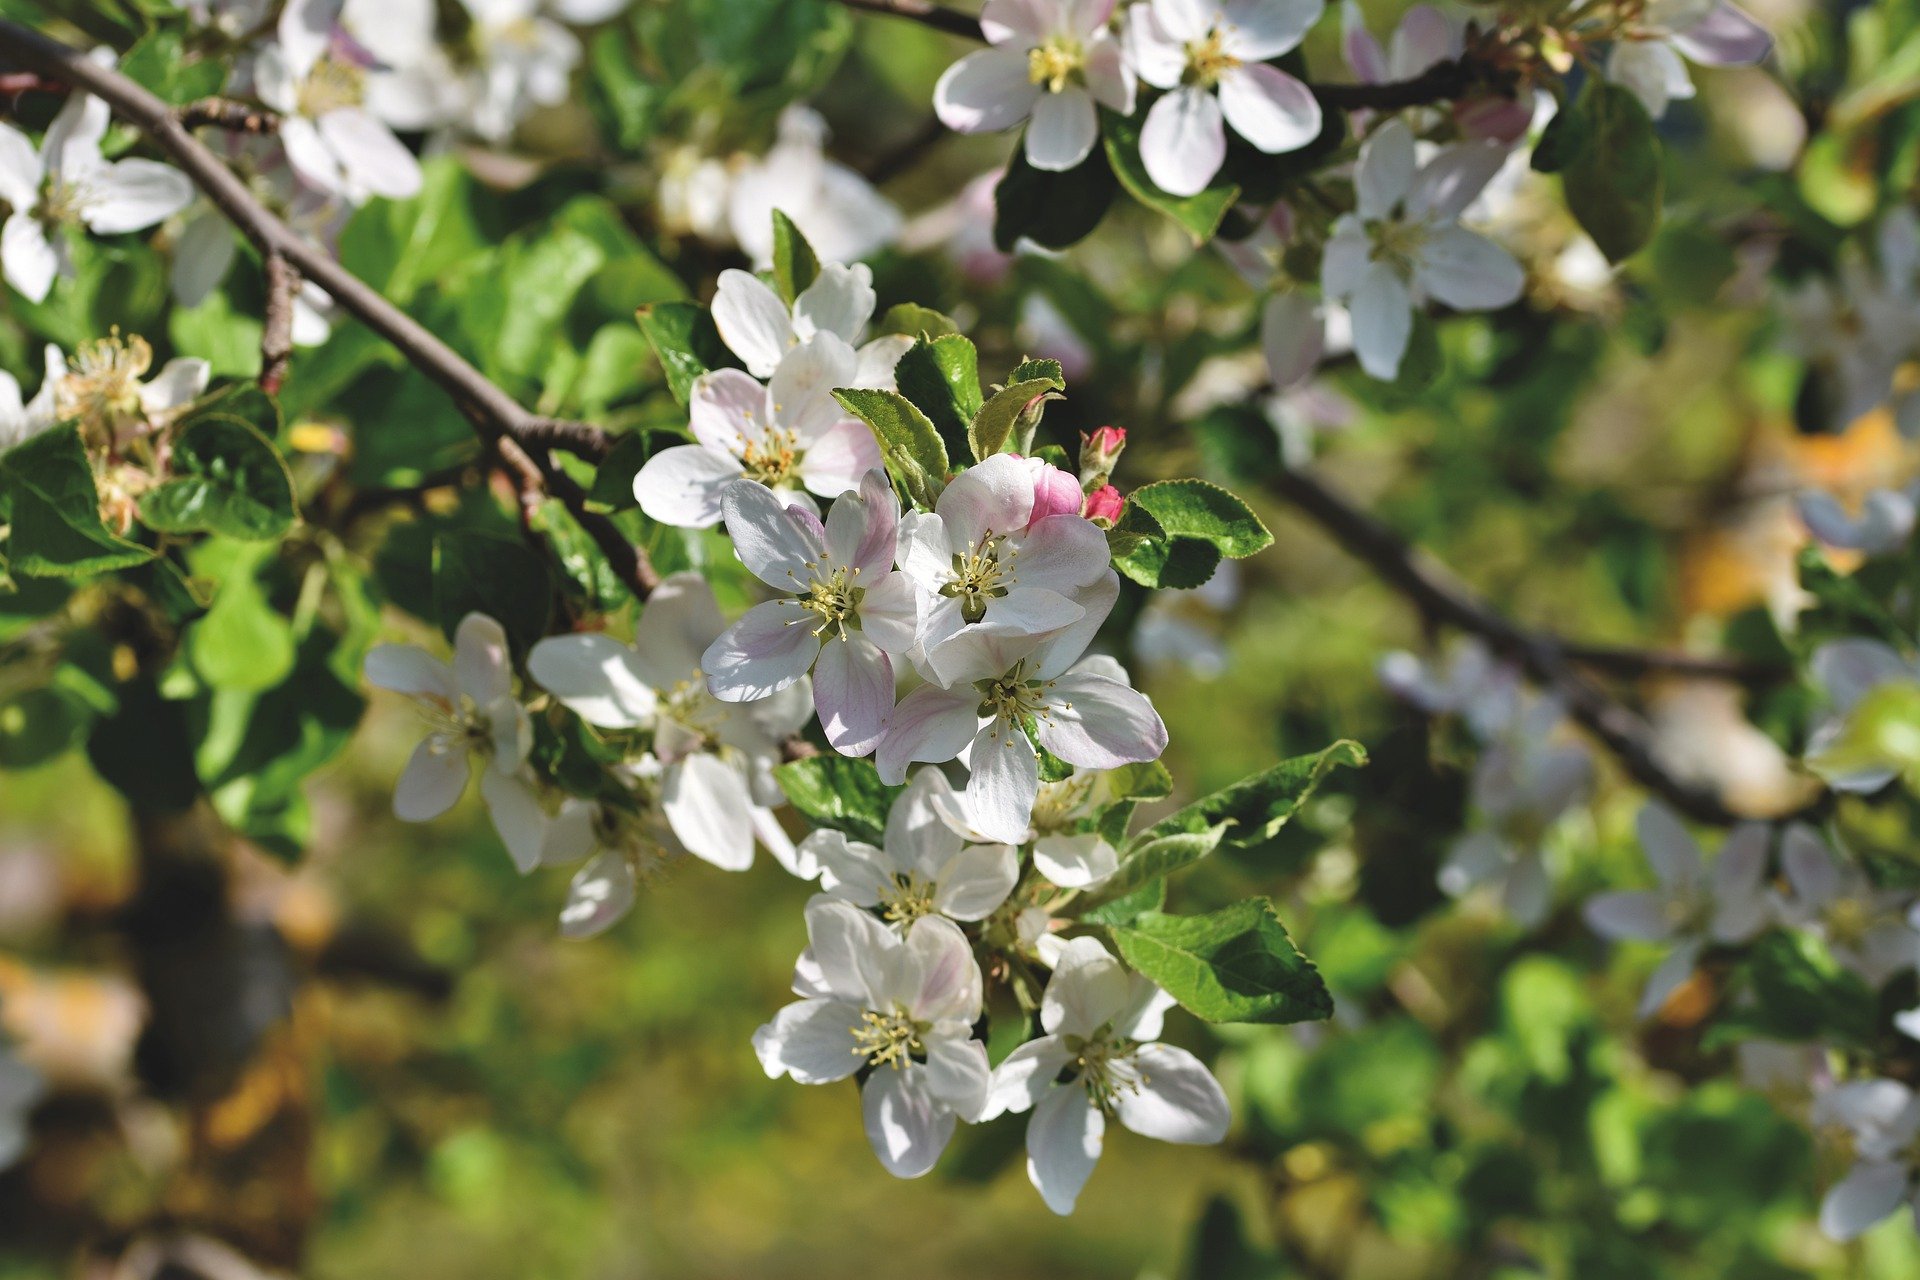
(1883, 522)
(758, 327)
(1193, 48)
(524, 59)
(1404, 243)
(21, 421)
(1100, 1058)
(1423, 38)
(923, 866)
(841, 214)
(845, 612)
(902, 1007)
(1858, 328)
(1293, 328)
(1064, 854)
(981, 559)
(470, 710)
(317, 79)
(106, 389)
(1647, 57)
(1845, 672)
(1865, 927)
(712, 753)
(1485, 691)
(998, 685)
(1884, 1118)
(67, 184)
(1050, 61)
(1690, 908)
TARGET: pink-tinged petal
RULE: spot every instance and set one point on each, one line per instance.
(1468, 272)
(1269, 108)
(1109, 79)
(480, 661)
(726, 408)
(853, 692)
(985, 92)
(838, 458)
(1382, 312)
(133, 195)
(1097, 723)
(1871, 1190)
(1423, 38)
(409, 669)
(862, 529)
(1178, 1099)
(1257, 30)
(775, 542)
(595, 676)
(370, 157)
(1633, 915)
(1025, 1077)
(1726, 37)
(991, 497)
(28, 258)
(1005, 780)
(1292, 334)
(758, 656)
(1449, 182)
(1498, 120)
(929, 725)
(706, 803)
(1025, 22)
(1055, 493)
(1063, 130)
(1063, 648)
(517, 816)
(811, 1041)
(1364, 56)
(888, 612)
(431, 782)
(683, 486)
(1064, 1139)
(941, 982)
(906, 1125)
(1671, 852)
(601, 892)
(1062, 552)
(1385, 171)
(753, 322)
(1184, 141)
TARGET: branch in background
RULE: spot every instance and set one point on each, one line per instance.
(495, 415)
(1630, 663)
(276, 332)
(227, 114)
(905, 154)
(1442, 82)
(582, 440)
(1547, 662)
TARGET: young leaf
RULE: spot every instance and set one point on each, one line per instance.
(1612, 177)
(795, 265)
(227, 477)
(1199, 214)
(1196, 509)
(685, 340)
(916, 458)
(941, 376)
(1157, 857)
(56, 527)
(915, 321)
(1260, 805)
(993, 424)
(839, 792)
(500, 577)
(1235, 965)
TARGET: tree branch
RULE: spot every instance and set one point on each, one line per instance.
(1442, 82)
(227, 114)
(276, 332)
(1547, 662)
(493, 413)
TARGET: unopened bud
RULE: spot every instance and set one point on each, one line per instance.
(1103, 506)
(1099, 451)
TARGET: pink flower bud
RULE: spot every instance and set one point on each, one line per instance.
(1054, 492)
(1099, 451)
(1491, 119)
(1103, 505)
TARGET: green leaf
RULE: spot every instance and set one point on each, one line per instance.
(915, 321)
(226, 476)
(38, 725)
(500, 577)
(1157, 857)
(1170, 564)
(1038, 371)
(839, 792)
(916, 457)
(794, 264)
(535, 286)
(1051, 209)
(1150, 896)
(1197, 509)
(1135, 527)
(941, 376)
(993, 425)
(613, 480)
(56, 527)
(1800, 993)
(1235, 965)
(1260, 805)
(243, 643)
(1611, 173)
(1200, 213)
(686, 342)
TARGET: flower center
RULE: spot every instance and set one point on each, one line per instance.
(1011, 698)
(980, 575)
(457, 726)
(333, 84)
(63, 200)
(1848, 921)
(1398, 243)
(1208, 60)
(889, 1039)
(1057, 802)
(835, 601)
(907, 899)
(689, 705)
(1105, 1067)
(102, 387)
(773, 457)
(1059, 62)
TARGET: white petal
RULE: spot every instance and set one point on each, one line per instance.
(985, 92)
(1269, 108)
(849, 869)
(753, 322)
(601, 892)
(1063, 1144)
(71, 147)
(1452, 180)
(1025, 1076)
(766, 651)
(1063, 130)
(958, 1076)
(305, 31)
(1088, 990)
(20, 171)
(975, 881)
(1629, 915)
(1184, 141)
(1157, 55)
(840, 301)
(774, 544)
(179, 382)
(811, 1041)
(431, 782)
(803, 383)
(201, 258)
(371, 158)
(929, 725)
(1292, 332)
(133, 195)
(838, 458)
(29, 260)
(1652, 71)
(1668, 977)
(876, 360)
(1871, 1190)
(851, 950)
(409, 669)
(1385, 170)
(1005, 780)
(1468, 271)
(1178, 1099)
(906, 1125)
(1075, 862)
(726, 408)
(1726, 37)
(995, 496)
(596, 676)
(853, 692)
(480, 664)
(517, 816)
(1671, 852)
(705, 801)
(1264, 29)
(1097, 723)
(1382, 311)
(1344, 262)
(684, 485)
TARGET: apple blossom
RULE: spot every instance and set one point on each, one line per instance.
(66, 184)
(713, 754)
(1404, 243)
(1691, 908)
(1104, 506)
(1052, 63)
(1864, 926)
(1883, 1117)
(900, 1006)
(1857, 328)
(846, 609)
(1100, 1059)
(106, 390)
(1845, 672)
(1646, 58)
(1883, 522)
(841, 214)
(470, 712)
(1100, 451)
(21, 421)
(759, 328)
(1212, 58)
(988, 556)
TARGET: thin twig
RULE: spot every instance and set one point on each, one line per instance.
(276, 332)
(581, 439)
(227, 114)
(940, 18)
(1628, 662)
(1443, 600)
(493, 413)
